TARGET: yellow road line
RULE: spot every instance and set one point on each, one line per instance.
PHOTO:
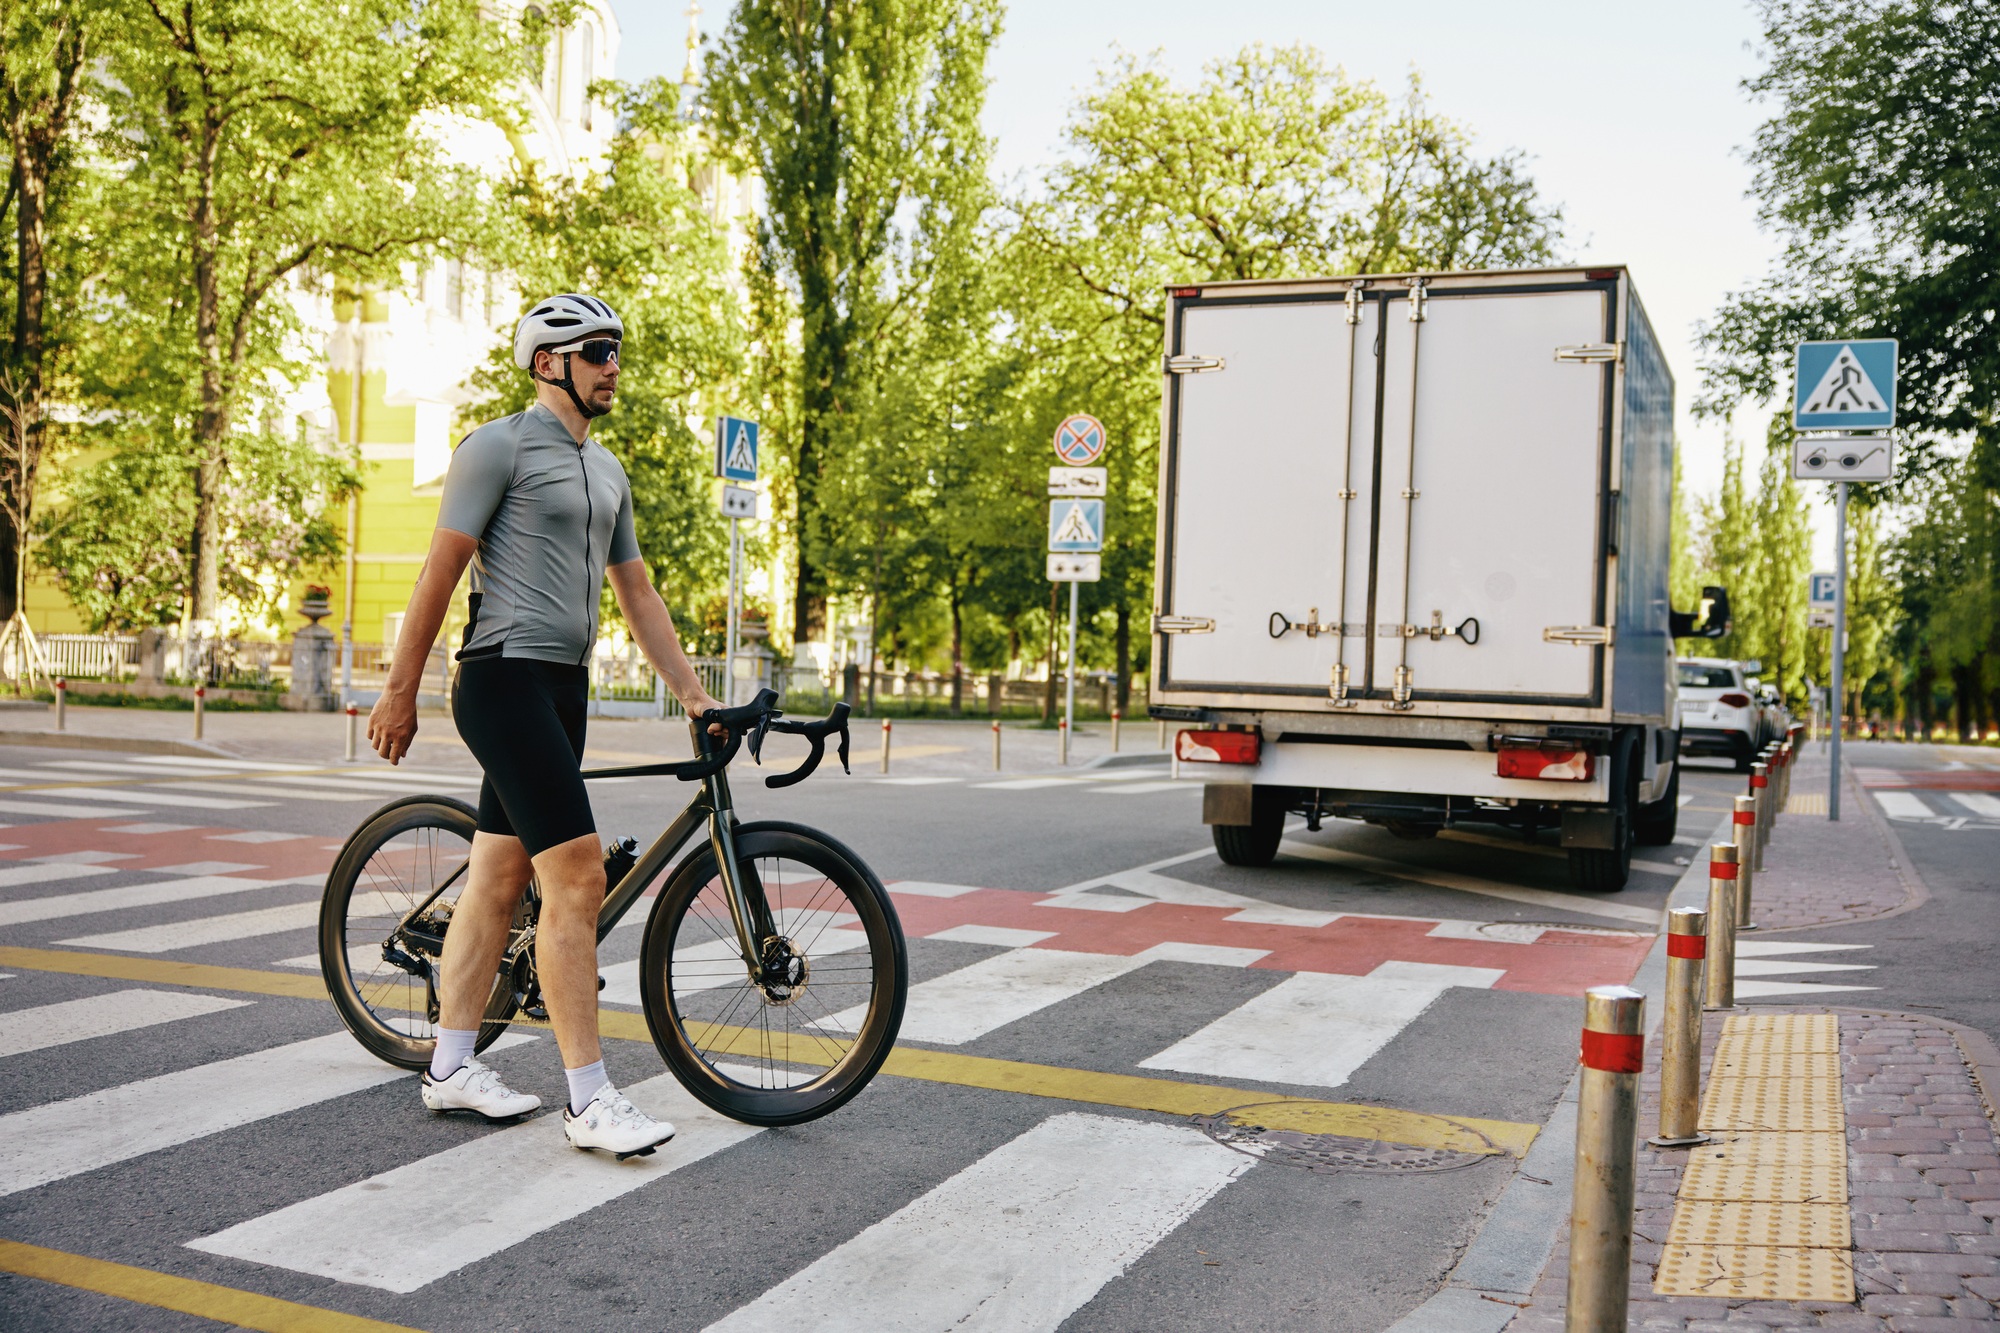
(1129, 1091)
(204, 1300)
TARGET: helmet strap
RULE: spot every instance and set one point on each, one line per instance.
(568, 385)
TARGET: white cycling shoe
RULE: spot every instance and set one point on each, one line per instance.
(478, 1089)
(612, 1124)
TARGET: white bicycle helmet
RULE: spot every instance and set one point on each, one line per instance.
(560, 321)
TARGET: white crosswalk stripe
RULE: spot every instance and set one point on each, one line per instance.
(64, 810)
(172, 935)
(46, 1025)
(264, 789)
(1315, 1028)
(1978, 803)
(1020, 1239)
(48, 872)
(476, 1199)
(66, 1138)
(60, 905)
(133, 795)
(1903, 805)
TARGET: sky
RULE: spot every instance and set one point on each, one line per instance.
(1633, 117)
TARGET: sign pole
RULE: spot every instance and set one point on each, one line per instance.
(729, 642)
(1839, 642)
(1069, 689)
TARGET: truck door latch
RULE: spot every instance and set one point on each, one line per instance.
(1189, 364)
(1587, 353)
(1584, 636)
(1163, 624)
(1466, 629)
(1312, 625)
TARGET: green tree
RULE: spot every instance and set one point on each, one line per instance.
(638, 236)
(862, 119)
(1880, 169)
(47, 48)
(259, 142)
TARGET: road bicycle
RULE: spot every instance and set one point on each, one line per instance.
(772, 971)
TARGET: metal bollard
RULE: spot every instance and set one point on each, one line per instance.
(885, 745)
(996, 745)
(1116, 718)
(1162, 743)
(200, 702)
(1743, 828)
(1720, 982)
(353, 730)
(1760, 785)
(1680, 1056)
(1784, 775)
(1600, 1220)
(1062, 741)
(62, 704)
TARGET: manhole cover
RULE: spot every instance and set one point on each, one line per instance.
(1242, 1130)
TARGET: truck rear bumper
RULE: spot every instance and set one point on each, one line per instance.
(1385, 768)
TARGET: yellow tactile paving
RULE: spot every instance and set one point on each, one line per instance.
(1713, 1177)
(1741, 1222)
(1767, 1062)
(1772, 1105)
(1757, 1273)
(1806, 803)
(1762, 1212)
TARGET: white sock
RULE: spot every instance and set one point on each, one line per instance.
(454, 1048)
(583, 1085)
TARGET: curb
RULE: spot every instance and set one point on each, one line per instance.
(1495, 1277)
(1156, 758)
(73, 740)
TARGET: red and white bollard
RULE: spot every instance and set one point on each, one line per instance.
(885, 745)
(353, 728)
(1062, 741)
(200, 706)
(1721, 975)
(1116, 717)
(62, 704)
(996, 745)
(1680, 1042)
(1607, 1121)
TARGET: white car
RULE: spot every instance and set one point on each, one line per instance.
(1720, 712)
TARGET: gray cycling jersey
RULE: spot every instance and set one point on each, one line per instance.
(548, 516)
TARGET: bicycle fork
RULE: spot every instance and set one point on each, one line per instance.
(749, 912)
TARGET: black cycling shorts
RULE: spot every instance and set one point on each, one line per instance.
(523, 720)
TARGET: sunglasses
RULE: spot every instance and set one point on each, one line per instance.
(597, 351)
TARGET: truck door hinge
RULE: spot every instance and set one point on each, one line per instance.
(1593, 353)
(1189, 364)
(1584, 636)
(1336, 691)
(1164, 624)
(1354, 300)
(1418, 298)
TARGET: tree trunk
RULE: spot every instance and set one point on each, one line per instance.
(1049, 697)
(1124, 656)
(957, 652)
(212, 418)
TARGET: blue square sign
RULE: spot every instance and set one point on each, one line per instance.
(735, 449)
(1845, 385)
(1076, 525)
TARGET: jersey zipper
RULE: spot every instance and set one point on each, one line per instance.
(589, 516)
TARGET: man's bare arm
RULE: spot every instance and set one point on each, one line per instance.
(653, 627)
(392, 723)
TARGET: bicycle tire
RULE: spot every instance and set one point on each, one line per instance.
(697, 1060)
(394, 997)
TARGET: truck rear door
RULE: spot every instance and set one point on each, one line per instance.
(1409, 483)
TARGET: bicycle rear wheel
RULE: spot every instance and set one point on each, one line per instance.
(790, 1050)
(382, 979)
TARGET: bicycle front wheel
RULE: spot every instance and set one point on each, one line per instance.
(380, 974)
(807, 1034)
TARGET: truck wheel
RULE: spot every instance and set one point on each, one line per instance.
(1255, 843)
(1658, 821)
(1605, 869)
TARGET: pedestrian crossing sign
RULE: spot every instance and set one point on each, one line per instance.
(1845, 385)
(1076, 525)
(735, 449)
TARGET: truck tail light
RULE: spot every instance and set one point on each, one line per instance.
(1217, 747)
(1735, 700)
(1535, 759)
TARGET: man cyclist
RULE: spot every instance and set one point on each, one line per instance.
(544, 515)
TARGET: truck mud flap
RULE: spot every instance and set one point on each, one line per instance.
(1590, 828)
(1227, 803)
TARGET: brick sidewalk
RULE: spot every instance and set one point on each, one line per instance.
(1923, 1179)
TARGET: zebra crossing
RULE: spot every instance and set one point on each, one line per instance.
(82, 788)
(1021, 1235)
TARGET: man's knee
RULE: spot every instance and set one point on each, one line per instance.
(571, 876)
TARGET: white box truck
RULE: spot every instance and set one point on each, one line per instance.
(1412, 559)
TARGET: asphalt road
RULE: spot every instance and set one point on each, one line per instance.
(1436, 978)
